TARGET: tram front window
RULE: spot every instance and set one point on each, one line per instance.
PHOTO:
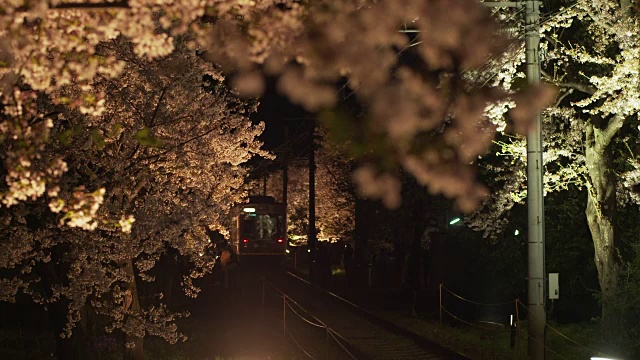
(262, 226)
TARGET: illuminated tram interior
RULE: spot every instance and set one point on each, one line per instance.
(260, 228)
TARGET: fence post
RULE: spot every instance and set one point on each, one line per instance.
(517, 318)
(513, 327)
(440, 287)
(284, 320)
(262, 309)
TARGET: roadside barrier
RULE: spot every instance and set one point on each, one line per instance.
(513, 307)
(291, 307)
(444, 290)
(589, 351)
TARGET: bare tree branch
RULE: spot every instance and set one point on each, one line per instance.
(155, 111)
(563, 96)
(587, 89)
(577, 86)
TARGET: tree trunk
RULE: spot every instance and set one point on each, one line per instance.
(71, 347)
(601, 209)
(81, 335)
(57, 313)
(137, 351)
(66, 347)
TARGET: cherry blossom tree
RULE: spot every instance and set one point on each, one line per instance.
(591, 52)
(426, 116)
(335, 194)
(135, 152)
(165, 158)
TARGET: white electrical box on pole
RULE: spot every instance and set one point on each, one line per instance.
(554, 286)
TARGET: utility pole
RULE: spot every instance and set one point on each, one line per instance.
(535, 193)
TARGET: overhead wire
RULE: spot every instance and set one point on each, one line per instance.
(410, 44)
(516, 41)
(486, 64)
(265, 164)
(349, 80)
(292, 141)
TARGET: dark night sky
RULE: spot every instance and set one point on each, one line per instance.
(276, 111)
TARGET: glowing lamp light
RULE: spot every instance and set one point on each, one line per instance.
(517, 232)
(287, 251)
(249, 210)
(280, 240)
(602, 358)
(245, 241)
(454, 221)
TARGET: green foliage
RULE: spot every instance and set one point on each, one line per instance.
(623, 332)
(628, 236)
(364, 142)
(115, 130)
(67, 136)
(97, 138)
(503, 265)
(146, 138)
(569, 252)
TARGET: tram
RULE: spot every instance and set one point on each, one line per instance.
(259, 228)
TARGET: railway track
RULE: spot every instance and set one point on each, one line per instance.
(321, 325)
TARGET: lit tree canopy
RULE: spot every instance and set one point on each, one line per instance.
(334, 192)
(165, 152)
(424, 113)
(106, 127)
(592, 52)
